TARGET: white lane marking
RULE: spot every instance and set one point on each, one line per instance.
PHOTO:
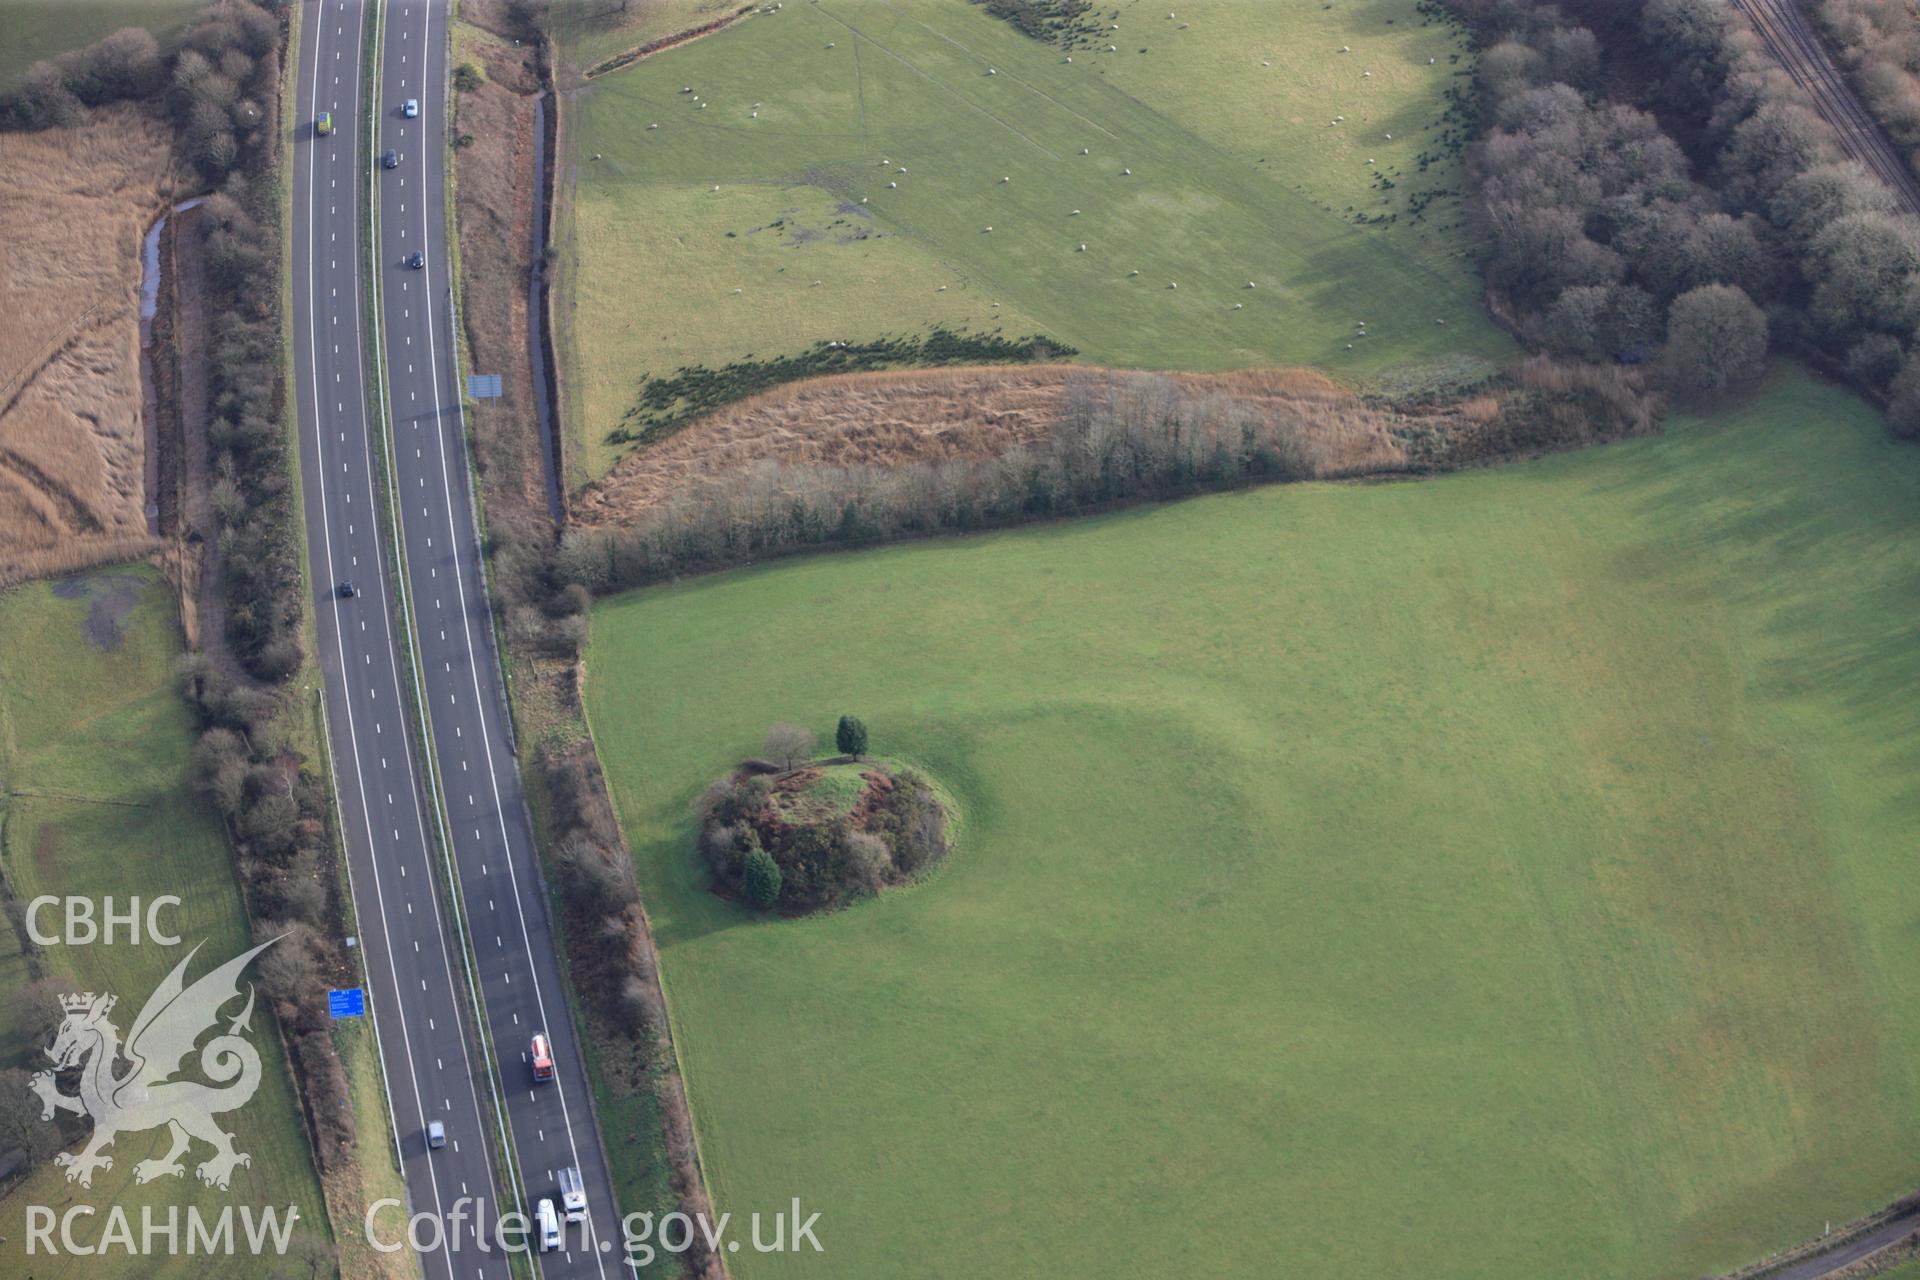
(327, 543)
(473, 666)
(474, 1076)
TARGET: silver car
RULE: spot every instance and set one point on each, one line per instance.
(412, 108)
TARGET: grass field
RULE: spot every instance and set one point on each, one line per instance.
(1236, 175)
(39, 29)
(1504, 874)
(94, 747)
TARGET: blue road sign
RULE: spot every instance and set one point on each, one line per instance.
(483, 386)
(351, 1003)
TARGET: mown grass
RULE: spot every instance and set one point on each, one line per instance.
(94, 755)
(1503, 874)
(37, 29)
(1238, 179)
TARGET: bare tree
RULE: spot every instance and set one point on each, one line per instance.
(789, 743)
(869, 861)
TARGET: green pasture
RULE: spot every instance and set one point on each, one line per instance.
(757, 217)
(36, 29)
(1506, 874)
(95, 747)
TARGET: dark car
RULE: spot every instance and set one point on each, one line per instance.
(417, 259)
(390, 159)
(347, 590)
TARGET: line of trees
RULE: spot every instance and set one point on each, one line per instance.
(1116, 441)
(278, 822)
(214, 84)
(230, 65)
(610, 960)
(1697, 247)
(252, 491)
(1879, 44)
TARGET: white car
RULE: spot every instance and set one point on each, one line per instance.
(573, 1195)
(549, 1224)
(412, 108)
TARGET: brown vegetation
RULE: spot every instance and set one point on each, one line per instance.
(886, 420)
(74, 205)
(1116, 438)
(614, 967)
(493, 207)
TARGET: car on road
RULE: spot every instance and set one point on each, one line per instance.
(436, 1134)
(416, 259)
(412, 108)
(323, 123)
(573, 1195)
(390, 159)
(347, 590)
(549, 1223)
(542, 1058)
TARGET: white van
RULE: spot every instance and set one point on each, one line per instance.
(573, 1195)
(549, 1223)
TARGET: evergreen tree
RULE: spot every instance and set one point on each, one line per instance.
(762, 878)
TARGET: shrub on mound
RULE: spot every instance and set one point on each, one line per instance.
(809, 838)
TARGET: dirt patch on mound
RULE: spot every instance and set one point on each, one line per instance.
(890, 419)
(74, 205)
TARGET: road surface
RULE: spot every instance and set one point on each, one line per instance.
(403, 850)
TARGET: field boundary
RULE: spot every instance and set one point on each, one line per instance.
(1898, 1222)
(663, 43)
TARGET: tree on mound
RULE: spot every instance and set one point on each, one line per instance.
(851, 736)
(762, 880)
(789, 743)
(811, 835)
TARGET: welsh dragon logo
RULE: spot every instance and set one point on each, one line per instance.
(146, 1095)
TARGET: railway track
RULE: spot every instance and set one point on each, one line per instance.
(1793, 44)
